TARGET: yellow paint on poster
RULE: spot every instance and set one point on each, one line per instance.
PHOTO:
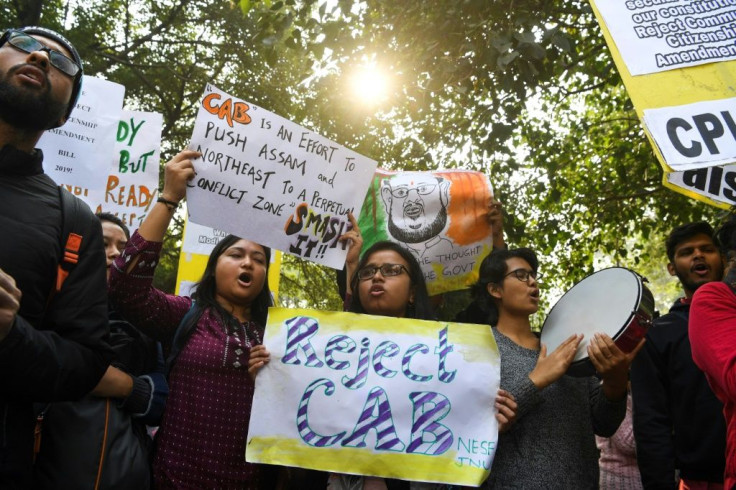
(474, 338)
(405, 466)
(426, 418)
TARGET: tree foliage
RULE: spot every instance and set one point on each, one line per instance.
(523, 90)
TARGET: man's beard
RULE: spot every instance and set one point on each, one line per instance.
(422, 234)
(690, 285)
(27, 110)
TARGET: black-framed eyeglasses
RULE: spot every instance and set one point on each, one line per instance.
(422, 190)
(523, 275)
(387, 270)
(27, 44)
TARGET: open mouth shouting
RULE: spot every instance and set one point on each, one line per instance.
(245, 279)
(377, 290)
(31, 75)
(700, 269)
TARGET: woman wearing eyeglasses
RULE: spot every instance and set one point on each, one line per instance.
(388, 281)
(552, 438)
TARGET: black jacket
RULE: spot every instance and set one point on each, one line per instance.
(678, 422)
(95, 442)
(54, 352)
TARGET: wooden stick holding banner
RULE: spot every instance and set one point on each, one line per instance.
(267, 179)
(380, 396)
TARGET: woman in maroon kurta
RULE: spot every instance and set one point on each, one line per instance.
(202, 437)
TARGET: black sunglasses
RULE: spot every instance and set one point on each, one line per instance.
(27, 44)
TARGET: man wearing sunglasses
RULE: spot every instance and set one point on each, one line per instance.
(52, 343)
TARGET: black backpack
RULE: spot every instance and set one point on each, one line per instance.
(70, 238)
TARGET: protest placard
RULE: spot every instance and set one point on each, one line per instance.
(270, 180)
(441, 217)
(132, 181)
(714, 185)
(196, 247)
(659, 35)
(368, 395)
(694, 69)
(78, 153)
(695, 135)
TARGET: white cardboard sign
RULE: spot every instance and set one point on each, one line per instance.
(132, 182)
(696, 135)
(659, 35)
(382, 396)
(716, 183)
(272, 181)
(77, 153)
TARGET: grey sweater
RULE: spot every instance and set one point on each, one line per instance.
(551, 445)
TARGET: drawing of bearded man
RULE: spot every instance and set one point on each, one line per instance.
(416, 204)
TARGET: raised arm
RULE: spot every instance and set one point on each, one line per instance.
(131, 275)
(178, 171)
(495, 219)
(355, 239)
(608, 398)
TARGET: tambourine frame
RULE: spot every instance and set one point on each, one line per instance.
(626, 337)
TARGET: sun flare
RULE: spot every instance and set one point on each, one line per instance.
(370, 84)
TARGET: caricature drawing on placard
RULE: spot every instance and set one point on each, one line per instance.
(416, 205)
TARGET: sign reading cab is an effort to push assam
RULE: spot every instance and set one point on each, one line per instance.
(268, 179)
(367, 395)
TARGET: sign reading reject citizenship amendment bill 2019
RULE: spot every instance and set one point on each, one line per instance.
(367, 395)
(272, 181)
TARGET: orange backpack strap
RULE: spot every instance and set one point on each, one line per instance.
(71, 241)
(70, 259)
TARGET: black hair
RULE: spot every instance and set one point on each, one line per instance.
(206, 288)
(685, 232)
(493, 269)
(105, 216)
(422, 307)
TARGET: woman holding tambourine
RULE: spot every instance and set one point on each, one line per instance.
(551, 443)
